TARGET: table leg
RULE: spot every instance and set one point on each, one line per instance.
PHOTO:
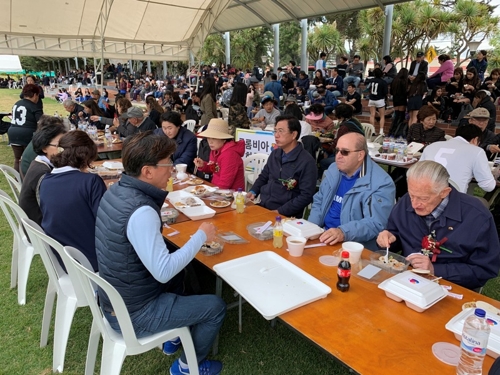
(240, 324)
(218, 292)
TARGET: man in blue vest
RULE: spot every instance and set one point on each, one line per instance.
(134, 258)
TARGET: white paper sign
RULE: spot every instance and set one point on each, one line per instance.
(256, 141)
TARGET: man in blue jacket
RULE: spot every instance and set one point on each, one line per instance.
(355, 197)
(288, 181)
(470, 251)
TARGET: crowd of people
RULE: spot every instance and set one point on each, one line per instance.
(355, 199)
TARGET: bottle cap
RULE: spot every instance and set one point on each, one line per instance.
(239, 190)
(480, 313)
(278, 218)
(345, 255)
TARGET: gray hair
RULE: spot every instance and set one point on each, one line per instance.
(361, 143)
(430, 170)
(68, 103)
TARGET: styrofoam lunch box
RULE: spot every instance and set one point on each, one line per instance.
(302, 228)
(418, 293)
(198, 212)
(456, 325)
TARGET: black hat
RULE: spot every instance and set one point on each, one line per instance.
(420, 54)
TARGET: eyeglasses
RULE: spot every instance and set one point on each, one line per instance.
(281, 131)
(345, 152)
(165, 165)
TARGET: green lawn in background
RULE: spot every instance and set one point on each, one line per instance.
(260, 349)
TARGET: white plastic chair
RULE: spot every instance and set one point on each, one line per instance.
(224, 112)
(253, 164)
(117, 346)
(369, 130)
(189, 124)
(22, 250)
(13, 178)
(69, 292)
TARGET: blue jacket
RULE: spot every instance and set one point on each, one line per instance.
(300, 166)
(338, 81)
(276, 88)
(304, 83)
(186, 147)
(365, 208)
(330, 99)
(480, 67)
(471, 236)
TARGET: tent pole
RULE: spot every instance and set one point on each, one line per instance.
(276, 29)
(228, 47)
(304, 64)
(386, 46)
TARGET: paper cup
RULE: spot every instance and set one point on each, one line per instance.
(296, 245)
(355, 249)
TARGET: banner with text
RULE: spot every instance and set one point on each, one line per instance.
(256, 141)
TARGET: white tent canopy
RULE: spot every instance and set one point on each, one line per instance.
(143, 29)
(10, 63)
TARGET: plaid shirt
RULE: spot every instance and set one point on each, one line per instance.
(416, 133)
(434, 215)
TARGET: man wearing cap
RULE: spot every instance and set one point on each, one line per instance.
(355, 197)
(468, 252)
(288, 181)
(75, 111)
(419, 65)
(462, 158)
(274, 86)
(267, 115)
(287, 83)
(488, 141)
(136, 123)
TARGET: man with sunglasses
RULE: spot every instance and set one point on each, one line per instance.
(355, 197)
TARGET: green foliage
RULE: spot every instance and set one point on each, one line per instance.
(290, 39)
(324, 38)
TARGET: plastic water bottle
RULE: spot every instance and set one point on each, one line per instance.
(109, 138)
(392, 145)
(474, 342)
(278, 233)
(240, 202)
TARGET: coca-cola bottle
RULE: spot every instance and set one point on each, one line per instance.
(344, 272)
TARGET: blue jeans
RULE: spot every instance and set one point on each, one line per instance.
(204, 314)
(351, 79)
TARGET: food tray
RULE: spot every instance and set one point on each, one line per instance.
(456, 325)
(213, 248)
(270, 283)
(198, 213)
(302, 228)
(418, 293)
(191, 190)
(266, 235)
(374, 259)
(395, 163)
(169, 215)
(113, 165)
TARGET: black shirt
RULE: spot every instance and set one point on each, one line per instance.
(358, 107)
(378, 89)
(341, 68)
(25, 116)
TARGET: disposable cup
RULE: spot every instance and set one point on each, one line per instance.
(355, 249)
(296, 245)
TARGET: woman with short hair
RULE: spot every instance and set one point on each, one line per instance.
(69, 196)
(45, 145)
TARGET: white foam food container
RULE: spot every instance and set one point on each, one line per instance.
(456, 325)
(113, 165)
(418, 292)
(198, 212)
(302, 228)
(270, 283)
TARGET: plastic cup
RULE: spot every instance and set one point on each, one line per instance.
(355, 249)
(296, 245)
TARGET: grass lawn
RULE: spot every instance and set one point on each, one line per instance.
(260, 349)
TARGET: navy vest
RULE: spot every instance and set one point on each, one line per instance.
(118, 262)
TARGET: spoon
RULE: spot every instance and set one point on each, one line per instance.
(386, 258)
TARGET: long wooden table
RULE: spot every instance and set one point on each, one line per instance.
(362, 328)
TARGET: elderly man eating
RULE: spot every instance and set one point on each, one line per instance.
(136, 123)
(74, 110)
(462, 230)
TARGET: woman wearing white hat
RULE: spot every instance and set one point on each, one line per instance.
(225, 156)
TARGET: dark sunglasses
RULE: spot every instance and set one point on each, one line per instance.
(345, 152)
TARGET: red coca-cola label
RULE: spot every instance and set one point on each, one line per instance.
(344, 273)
